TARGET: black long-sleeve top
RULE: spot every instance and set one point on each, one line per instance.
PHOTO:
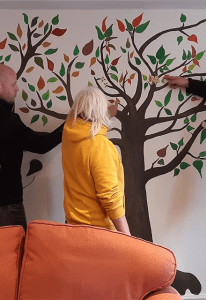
(15, 137)
(197, 87)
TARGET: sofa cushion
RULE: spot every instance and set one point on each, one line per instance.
(74, 262)
(11, 251)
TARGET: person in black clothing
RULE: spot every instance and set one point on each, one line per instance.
(15, 137)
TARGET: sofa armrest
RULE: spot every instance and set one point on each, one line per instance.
(168, 293)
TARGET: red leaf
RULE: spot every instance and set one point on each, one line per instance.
(24, 46)
(184, 69)
(115, 61)
(3, 44)
(196, 62)
(41, 83)
(108, 49)
(193, 52)
(50, 65)
(137, 21)
(194, 98)
(129, 81)
(192, 38)
(121, 26)
(24, 110)
(104, 25)
(58, 31)
(111, 101)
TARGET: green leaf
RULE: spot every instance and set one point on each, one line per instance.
(100, 34)
(108, 32)
(180, 96)
(14, 48)
(138, 61)
(167, 98)
(1, 57)
(52, 79)
(203, 154)
(113, 76)
(31, 87)
(106, 59)
(168, 112)
(23, 79)
(188, 71)
(158, 103)
(55, 20)
(200, 55)
(161, 162)
(7, 58)
(76, 50)
(198, 164)
(169, 61)
(184, 165)
(191, 67)
(189, 128)
(152, 59)
(174, 146)
(89, 83)
(129, 25)
(181, 143)
(179, 39)
(186, 120)
(166, 68)
(144, 77)
(34, 21)
(184, 56)
(146, 85)
(193, 118)
(26, 20)
(12, 36)
(161, 60)
(24, 95)
(62, 98)
(44, 119)
(114, 69)
(35, 118)
(50, 51)
(97, 53)
(36, 35)
(183, 18)
(189, 55)
(142, 27)
(62, 70)
(160, 53)
(39, 62)
(176, 172)
(49, 104)
(203, 136)
(45, 96)
(123, 50)
(46, 27)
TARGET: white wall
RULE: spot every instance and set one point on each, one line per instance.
(176, 204)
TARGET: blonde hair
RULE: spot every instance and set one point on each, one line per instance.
(91, 105)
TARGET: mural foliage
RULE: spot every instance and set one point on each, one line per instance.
(143, 71)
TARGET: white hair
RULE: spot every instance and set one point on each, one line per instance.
(91, 105)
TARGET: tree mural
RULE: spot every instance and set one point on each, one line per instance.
(146, 71)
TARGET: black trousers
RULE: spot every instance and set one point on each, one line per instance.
(13, 214)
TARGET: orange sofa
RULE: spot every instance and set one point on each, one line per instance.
(67, 262)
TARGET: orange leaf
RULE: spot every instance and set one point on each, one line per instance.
(132, 76)
(118, 101)
(184, 69)
(58, 31)
(115, 61)
(132, 54)
(121, 78)
(193, 52)
(129, 81)
(3, 44)
(19, 31)
(192, 38)
(137, 21)
(93, 61)
(75, 74)
(41, 83)
(194, 98)
(196, 62)
(50, 65)
(29, 69)
(58, 90)
(24, 110)
(41, 24)
(66, 58)
(46, 44)
(120, 26)
(104, 25)
(24, 46)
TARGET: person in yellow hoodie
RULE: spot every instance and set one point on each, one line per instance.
(93, 172)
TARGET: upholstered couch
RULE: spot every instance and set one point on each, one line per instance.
(65, 262)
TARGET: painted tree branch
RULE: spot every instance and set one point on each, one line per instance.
(138, 92)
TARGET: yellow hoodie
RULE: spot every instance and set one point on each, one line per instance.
(93, 176)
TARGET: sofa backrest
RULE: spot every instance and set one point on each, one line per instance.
(67, 262)
(11, 251)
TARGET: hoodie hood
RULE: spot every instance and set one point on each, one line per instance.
(80, 130)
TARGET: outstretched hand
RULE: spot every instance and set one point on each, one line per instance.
(175, 81)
